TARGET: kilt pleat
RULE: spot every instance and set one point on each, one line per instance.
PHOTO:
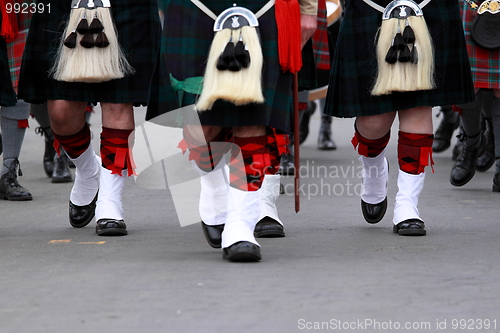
(485, 64)
(354, 65)
(138, 27)
(185, 43)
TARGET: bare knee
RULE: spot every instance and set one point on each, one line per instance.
(375, 127)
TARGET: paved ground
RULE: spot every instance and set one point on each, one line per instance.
(332, 272)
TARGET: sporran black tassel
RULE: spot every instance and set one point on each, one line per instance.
(226, 57)
(70, 41)
(96, 26)
(241, 54)
(409, 35)
(87, 41)
(392, 55)
(405, 54)
(101, 40)
(83, 26)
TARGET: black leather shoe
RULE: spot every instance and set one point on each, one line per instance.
(410, 227)
(61, 173)
(80, 216)
(487, 159)
(111, 227)
(242, 252)
(496, 182)
(213, 234)
(268, 228)
(444, 132)
(373, 213)
(465, 166)
(287, 167)
(10, 189)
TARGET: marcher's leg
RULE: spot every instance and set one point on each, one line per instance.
(117, 163)
(325, 140)
(474, 145)
(375, 175)
(13, 123)
(414, 154)
(371, 136)
(73, 133)
(487, 159)
(270, 225)
(209, 161)
(449, 123)
(250, 157)
(41, 114)
(495, 108)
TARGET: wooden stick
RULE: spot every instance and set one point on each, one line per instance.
(296, 140)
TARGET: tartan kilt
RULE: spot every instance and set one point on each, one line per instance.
(138, 27)
(186, 40)
(7, 94)
(354, 65)
(485, 64)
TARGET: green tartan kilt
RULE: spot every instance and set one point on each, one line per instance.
(186, 40)
(354, 65)
(7, 94)
(139, 29)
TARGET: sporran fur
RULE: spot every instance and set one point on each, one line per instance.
(96, 63)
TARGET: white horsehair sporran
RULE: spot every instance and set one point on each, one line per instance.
(234, 67)
(405, 53)
(90, 52)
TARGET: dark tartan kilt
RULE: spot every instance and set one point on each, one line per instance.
(7, 94)
(139, 31)
(354, 65)
(485, 64)
(186, 40)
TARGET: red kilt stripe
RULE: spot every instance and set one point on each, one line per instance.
(485, 64)
(15, 49)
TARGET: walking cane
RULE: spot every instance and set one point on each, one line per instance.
(296, 140)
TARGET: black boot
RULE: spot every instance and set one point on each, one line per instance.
(48, 155)
(61, 173)
(465, 166)
(486, 160)
(10, 189)
(444, 132)
(325, 141)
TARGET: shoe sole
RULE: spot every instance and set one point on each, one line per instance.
(112, 232)
(463, 182)
(61, 180)
(404, 232)
(244, 253)
(16, 199)
(269, 234)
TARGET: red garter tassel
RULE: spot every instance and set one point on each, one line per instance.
(425, 157)
(287, 14)
(23, 123)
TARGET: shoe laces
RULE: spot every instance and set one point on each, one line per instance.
(12, 169)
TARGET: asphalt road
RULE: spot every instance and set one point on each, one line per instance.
(332, 271)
